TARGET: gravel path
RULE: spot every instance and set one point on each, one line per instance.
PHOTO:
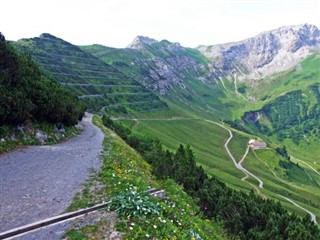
(40, 181)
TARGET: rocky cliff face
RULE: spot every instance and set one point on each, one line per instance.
(268, 53)
(165, 64)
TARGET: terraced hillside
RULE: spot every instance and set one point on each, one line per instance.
(182, 75)
(102, 87)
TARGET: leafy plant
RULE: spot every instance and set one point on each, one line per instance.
(133, 204)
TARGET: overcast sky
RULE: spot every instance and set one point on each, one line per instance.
(116, 23)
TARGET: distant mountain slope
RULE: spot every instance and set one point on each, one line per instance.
(216, 79)
(268, 53)
(158, 65)
(180, 74)
(26, 93)
(294, 115)
(101, 86)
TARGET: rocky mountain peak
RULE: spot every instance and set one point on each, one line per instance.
(267, 53)
(47, 35)
(292, 38)
(139, 41)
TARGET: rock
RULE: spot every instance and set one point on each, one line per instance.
(41, 137)
(166, 64)
(115, 235)
(267, 53)
(162, 65)
(20, 128)
(140, 41)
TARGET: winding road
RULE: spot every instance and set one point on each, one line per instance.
(40, 181)
(237, 165)
(240, 167)
(313, 217)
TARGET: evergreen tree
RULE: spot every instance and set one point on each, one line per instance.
(27, 94)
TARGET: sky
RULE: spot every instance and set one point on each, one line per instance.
(115, 23)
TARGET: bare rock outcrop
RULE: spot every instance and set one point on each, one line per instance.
(269, 52)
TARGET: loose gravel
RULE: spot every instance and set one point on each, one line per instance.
(40, 181)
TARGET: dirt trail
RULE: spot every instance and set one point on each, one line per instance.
(40, 181)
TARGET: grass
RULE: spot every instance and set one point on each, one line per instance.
(207, 141)
(299, 78)
(67, 63)
(307, 150)
(292, 182)
(124, 173)
(238, 145)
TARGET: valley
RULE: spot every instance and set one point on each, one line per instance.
(214, 98)
(208, 141)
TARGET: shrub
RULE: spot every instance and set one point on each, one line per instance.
(133, 204)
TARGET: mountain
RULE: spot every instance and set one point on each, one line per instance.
(268, 53)
(158, 65)
(140, 41)
(162, 65)
(98, 84)
(215, 79)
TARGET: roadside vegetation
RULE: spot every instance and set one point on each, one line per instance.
(124, 178)
(26, 94)
(34, 134)
(32, 103)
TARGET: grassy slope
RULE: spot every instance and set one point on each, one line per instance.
(69, 64)
(123, 170)
(301, 78)
(269, 88)
(207, 141)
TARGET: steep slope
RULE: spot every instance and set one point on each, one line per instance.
(160, 64)
(26, 93)
(268, 53)
(182, 75)
(101, 86)
(219, 79)
(293, 115)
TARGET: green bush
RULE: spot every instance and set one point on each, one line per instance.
(27, 94)
(133, 204)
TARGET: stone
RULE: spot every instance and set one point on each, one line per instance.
(41, 137)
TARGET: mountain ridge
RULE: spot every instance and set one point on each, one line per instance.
(165, 65)
(267, 53)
